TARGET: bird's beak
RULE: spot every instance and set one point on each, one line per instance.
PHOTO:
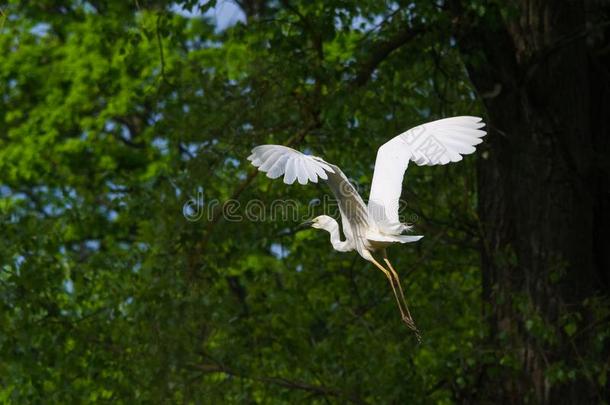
(305, 225)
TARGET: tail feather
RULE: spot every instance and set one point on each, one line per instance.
(395, 238)
(408, 238)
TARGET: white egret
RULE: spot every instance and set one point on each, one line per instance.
(373, 228)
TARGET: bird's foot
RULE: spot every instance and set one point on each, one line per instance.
(411, 325)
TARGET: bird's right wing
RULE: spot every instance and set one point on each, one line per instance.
(278, 160)
(437, 142)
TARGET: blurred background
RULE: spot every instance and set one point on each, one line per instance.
(115, 114)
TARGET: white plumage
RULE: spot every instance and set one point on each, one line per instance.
(437, 142)
(277, 160)
(374, 227)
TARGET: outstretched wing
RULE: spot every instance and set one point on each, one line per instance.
(434, 143)
(277, 160)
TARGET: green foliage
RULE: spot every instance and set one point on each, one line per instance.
(114, 115)
(113, 118)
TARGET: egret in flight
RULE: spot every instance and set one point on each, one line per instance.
(372, 228)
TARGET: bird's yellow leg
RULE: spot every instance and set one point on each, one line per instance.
(409, 319)
(391, 280)
(395, 274)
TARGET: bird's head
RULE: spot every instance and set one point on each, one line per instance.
(321, 222)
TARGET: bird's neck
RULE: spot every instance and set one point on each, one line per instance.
(335, 238)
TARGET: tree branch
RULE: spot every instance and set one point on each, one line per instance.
(381, 50)
(283, 382)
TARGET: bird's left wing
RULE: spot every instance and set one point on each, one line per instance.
(278, 160)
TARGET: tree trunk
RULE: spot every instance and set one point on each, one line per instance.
(543, 186)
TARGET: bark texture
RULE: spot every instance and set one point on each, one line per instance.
(543, 71)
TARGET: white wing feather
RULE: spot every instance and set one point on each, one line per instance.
(434, 143)
(277, 160)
